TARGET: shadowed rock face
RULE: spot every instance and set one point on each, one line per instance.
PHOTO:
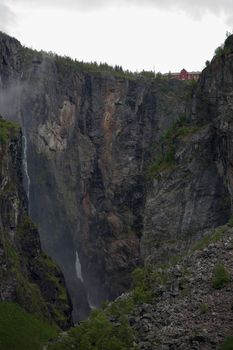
(197, 193)
(187, 200)
(91, 138)
(28, 276)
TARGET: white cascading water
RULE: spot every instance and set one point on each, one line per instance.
(78, 268)
(25, 167)
(92, 307)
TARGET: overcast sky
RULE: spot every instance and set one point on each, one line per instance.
(160, 35)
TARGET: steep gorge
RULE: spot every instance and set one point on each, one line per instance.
(91, 137)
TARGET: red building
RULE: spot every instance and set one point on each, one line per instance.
(183, 75)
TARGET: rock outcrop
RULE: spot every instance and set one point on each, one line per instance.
(28, 276)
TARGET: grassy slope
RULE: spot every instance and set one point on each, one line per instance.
(20, 330)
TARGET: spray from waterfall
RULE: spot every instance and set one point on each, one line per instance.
(25, 167)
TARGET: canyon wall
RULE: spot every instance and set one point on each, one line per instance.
(101, 200)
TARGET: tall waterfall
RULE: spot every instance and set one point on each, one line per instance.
(78, 268)
(25, 167)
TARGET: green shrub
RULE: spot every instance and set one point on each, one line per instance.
(166, 159)
(222, 50)
(220, 276)
(175, 259)
(230, 222)
(145, 279)
(219, 51)
(206, 240)
(228, 344)
(180, 128)
(204, 308)
(120, 308)
(164, 162)
(7, 129)
(98, 333)
(141, 295)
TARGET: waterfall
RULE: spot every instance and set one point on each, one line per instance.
(78, 268)
(92, 307)
(25, 167)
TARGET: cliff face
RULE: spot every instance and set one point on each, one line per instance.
(88, 152)
(110, 178)
(196, 192)
(89, 142)
(28, 276)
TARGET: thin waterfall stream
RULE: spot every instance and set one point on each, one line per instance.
(78, 268)
(25, 167)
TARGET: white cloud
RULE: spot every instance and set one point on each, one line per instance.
(7, 17)
(194, 8)
(137, 34)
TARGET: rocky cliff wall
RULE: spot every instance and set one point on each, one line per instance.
(122, 169)
(195, 191)
(27, 275)
(90, 138)
(88, 155)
